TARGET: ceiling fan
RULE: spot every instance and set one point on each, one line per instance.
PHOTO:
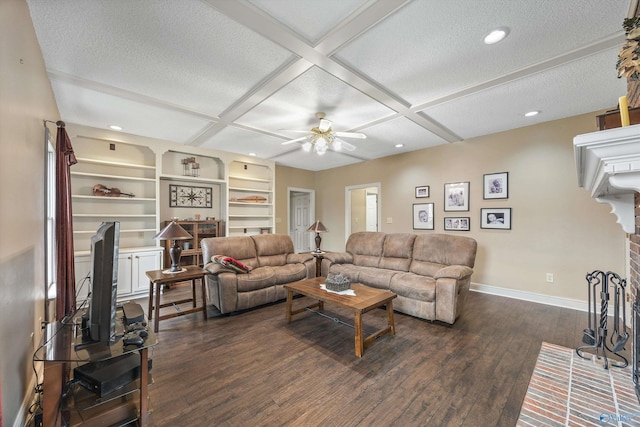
(322, 137)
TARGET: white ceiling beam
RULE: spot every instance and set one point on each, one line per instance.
(251, 17)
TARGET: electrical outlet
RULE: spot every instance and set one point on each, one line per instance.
(389, 220)
(550, 277)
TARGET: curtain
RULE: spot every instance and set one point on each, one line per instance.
(65, 271)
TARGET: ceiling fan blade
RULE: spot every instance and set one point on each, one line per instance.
(344, 145)
(351, 135)
(294, 140)
(324, 125)
(294, 130)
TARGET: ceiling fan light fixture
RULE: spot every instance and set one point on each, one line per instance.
(322, 137)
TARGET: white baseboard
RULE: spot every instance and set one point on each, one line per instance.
(530, 296)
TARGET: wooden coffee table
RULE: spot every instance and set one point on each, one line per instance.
(366, 299)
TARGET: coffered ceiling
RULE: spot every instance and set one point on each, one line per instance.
(232, 74)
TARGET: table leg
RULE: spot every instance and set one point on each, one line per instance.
(156, 321)
(289, 305)
(390, 320)
(144, 386)
(193, 292)
(358, 334)
(150, 311)
(204, 298)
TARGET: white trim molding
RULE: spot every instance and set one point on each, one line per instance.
(530, 296)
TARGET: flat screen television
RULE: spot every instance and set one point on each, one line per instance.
(100, 317)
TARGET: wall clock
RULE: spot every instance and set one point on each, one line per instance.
(187, 196)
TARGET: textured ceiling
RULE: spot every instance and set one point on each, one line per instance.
(231, 75)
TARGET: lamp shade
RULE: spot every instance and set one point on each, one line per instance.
(317, 227)
(173, 231)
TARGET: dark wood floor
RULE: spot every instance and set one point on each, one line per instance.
(254, 369)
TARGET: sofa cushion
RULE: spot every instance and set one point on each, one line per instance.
(376, 277)
(414, 286)
(366, 247)
(259, 278)
(289, 273)
(431, 252)
(397, 251)
(272, 249)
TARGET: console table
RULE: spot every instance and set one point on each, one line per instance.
(61, 351)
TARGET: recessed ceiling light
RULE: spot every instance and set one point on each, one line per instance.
(496, 35)
(399, 145)
(115, 127)
(252, 154)
(532, 113)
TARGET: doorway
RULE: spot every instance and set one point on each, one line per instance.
(362, 208)
(301, 214)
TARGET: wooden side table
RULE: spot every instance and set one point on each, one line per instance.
(158, 278)
(319, 256)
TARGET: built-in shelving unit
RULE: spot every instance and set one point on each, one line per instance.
(251, 199)
(130, 171)
(242, 197)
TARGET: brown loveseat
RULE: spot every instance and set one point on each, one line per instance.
(430, 273)
(273, 263)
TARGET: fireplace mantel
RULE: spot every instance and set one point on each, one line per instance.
(608, 164)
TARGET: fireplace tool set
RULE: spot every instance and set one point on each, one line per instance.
(608, 286)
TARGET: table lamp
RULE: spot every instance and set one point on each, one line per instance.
(317, 227)
(174, 232)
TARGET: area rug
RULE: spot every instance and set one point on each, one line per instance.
(566, 390)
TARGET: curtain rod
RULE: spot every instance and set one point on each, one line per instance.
(59, 123)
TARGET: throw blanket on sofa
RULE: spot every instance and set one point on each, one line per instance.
(231, 263)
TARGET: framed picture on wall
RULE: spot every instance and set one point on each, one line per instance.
(457, 223)
(189, 196)
(496, 185)
(423, 216)
(496, 218)
(456, 196)
(422, 192)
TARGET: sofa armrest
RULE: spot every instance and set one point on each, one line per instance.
(454, 272)
(215, 268)
(298, 258)
(339, 257)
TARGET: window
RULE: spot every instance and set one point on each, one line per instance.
(50, 226)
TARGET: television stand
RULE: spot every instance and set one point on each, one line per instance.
(81, 406)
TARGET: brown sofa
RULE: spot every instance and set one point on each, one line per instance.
(430, 273)
(273, 263)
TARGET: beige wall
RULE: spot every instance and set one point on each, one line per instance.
(289, 178)
(25, 100)
(557, 228)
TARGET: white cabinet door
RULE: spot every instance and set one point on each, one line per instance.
(125, 286)
(143, 262)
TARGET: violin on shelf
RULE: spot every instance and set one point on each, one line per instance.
(103, 190)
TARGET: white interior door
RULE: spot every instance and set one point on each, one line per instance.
(301, 222)
(371, 217)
